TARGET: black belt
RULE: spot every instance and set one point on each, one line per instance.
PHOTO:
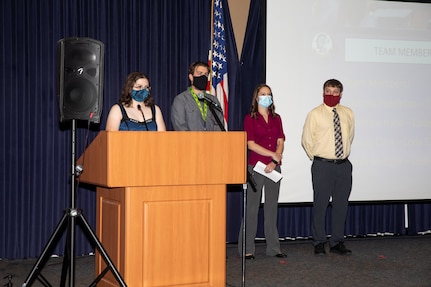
(334, 161)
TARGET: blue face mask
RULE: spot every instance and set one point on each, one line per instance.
(140, 95)
(265, 101)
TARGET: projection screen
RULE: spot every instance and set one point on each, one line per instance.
(381, 52)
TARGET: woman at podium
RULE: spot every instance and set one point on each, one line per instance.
(135, 110)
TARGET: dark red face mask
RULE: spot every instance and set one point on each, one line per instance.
(331, 100)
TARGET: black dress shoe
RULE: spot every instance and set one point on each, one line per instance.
(340, 249)
(249, 256)
(319, 249)
(281, 255)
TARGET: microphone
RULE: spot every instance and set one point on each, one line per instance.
(205, 97)
(145, 122)
(79, 169)
(251, 180)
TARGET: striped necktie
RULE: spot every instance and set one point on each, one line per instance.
(337, 133)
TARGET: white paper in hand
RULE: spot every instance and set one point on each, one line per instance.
(273, 175)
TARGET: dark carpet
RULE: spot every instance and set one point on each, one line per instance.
(377, 261)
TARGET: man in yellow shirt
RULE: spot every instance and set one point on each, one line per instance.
(326, 138)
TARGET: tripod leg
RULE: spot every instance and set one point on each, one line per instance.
(102, 251)
(72, 222)
(65, 266)
(68, 267)
(97, 279)
(44, 281)
(34, 273)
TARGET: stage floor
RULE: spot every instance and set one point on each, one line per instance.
(380, 261)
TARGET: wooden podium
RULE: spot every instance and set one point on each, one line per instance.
(161, 204)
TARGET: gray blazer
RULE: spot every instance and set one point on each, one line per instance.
(186, 116)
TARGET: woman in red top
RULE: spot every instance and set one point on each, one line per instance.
(265, 143)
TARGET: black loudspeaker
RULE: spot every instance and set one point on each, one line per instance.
(80, 79)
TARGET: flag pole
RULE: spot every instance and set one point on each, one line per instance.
(212, 23)
(210, 51)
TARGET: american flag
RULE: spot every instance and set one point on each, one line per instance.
(218, 59)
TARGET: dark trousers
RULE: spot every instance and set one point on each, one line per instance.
(330, 180)
(270, 209)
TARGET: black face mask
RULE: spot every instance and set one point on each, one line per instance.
(200, 82)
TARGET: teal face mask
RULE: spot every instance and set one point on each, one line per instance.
(140, 95)
(265, 101)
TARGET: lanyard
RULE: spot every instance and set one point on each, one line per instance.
(204, 111)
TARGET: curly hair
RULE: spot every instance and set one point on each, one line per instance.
(126, 92)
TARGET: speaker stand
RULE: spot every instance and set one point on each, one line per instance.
(71, 217)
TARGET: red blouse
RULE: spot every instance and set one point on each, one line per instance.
(264, 134)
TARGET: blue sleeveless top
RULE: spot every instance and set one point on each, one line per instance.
(128, 124)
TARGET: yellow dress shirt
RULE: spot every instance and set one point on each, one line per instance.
(318, 132)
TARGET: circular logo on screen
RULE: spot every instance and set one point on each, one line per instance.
(322, 44)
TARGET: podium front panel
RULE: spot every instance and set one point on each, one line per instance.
(164, 235)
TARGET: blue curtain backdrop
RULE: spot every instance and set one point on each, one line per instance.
(160, 38)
